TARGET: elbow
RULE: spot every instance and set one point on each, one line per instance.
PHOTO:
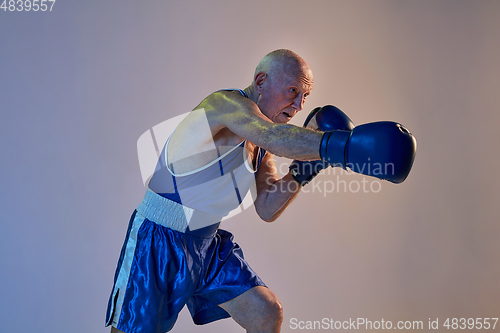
(267, 216)
(268, 219)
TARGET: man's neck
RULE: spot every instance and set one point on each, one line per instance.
(250, 91)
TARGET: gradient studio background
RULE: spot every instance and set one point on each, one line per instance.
(80, 84)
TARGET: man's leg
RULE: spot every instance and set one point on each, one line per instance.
(115, 330)
(257, 310)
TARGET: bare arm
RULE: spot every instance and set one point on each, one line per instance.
(243, 117)
(273, 194)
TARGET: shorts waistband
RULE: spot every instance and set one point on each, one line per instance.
(178, 217)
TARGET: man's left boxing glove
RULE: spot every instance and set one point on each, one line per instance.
(384, 149)
(326, 118)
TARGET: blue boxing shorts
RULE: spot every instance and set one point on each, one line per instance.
(163, 266)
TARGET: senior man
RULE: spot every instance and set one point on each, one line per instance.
(175, 254)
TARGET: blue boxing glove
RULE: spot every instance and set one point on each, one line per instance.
(385, 150)
(326, 118)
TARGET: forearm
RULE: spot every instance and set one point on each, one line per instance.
(275, 196)
(244, 118)
(292, 142)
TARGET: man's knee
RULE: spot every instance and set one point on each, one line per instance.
(257, 310)
(271, 311)
(274, 311)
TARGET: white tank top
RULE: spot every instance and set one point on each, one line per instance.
(220, 188)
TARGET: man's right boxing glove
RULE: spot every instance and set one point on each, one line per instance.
(385, 150)
(326, 118)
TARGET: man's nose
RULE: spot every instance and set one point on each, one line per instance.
(298, 103)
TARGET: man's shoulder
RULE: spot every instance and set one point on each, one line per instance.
(224, 100)
(224, 94)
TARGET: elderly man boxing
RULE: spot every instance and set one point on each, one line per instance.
(175, 254)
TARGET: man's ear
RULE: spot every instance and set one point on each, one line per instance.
(259, 80)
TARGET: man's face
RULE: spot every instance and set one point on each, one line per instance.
(282, 98)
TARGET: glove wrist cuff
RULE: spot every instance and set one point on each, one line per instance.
(332, 147)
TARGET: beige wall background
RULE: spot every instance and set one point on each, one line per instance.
(80, 84)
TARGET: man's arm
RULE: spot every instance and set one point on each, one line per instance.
(273, 194)
(243, 117)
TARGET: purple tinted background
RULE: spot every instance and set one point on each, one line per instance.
(80, 84)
